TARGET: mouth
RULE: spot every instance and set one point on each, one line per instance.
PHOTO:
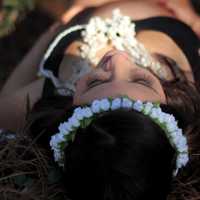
(104, 61)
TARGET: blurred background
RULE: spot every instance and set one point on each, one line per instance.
(23, 21)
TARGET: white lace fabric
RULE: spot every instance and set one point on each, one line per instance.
(66, 88)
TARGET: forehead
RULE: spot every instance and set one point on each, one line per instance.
(159, 42)
(116, 89)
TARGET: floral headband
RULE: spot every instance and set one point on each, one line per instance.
(118, 31)
(83, 116)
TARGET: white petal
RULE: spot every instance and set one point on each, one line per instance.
(79, 114)
(105, 104)
(95, 106)
(147, 108)
(138, 105)
(87, 112)
(74, 121)
(127, 103)
(116, 104)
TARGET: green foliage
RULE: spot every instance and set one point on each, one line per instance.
(13, 10)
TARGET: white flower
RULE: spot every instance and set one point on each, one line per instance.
(116, 104)
(64, 128)
(161, 118)
(166, 121)
(126, 103)
(176, 134)
(154, 113)
(171, 127)
(168, 118)
(96, 106)
(138, 105)
(87, 112)
(182, 144)
(57, 155)
(59, 138)
(55, 140)
(147, 108)
(78, 112)
(104, 104)
(73, 121)
(182, 160)
(119, 32)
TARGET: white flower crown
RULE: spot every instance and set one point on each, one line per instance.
(118, 31)
(83, 116)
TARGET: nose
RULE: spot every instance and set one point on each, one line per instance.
(118, 64)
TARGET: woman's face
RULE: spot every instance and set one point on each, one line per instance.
(117, 75)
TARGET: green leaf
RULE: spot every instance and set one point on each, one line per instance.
(157, 104)
(73, 137)
(110, 99)
(70, 136)
(86, 122)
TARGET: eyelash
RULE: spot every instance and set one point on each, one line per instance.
(142, 79)
(92, 80)
(90, 84)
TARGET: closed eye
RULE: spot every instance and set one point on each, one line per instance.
(144, 78)
(137, 75)
(96, 82)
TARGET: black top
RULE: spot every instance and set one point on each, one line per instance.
(178, 31)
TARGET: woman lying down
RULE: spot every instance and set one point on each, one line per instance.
(116, 103)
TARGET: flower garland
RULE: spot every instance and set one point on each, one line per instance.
(119, 31)
(83, 116)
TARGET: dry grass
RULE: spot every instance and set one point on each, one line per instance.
(27, 173)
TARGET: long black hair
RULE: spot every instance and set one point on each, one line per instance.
(122, 155)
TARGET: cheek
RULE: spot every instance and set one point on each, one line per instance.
(80, 87)
(161, 94)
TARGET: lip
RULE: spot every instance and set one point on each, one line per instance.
(104, 61)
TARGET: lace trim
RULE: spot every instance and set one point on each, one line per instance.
(66, 88)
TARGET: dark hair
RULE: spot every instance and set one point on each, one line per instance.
(196, 5)
(121, 155)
